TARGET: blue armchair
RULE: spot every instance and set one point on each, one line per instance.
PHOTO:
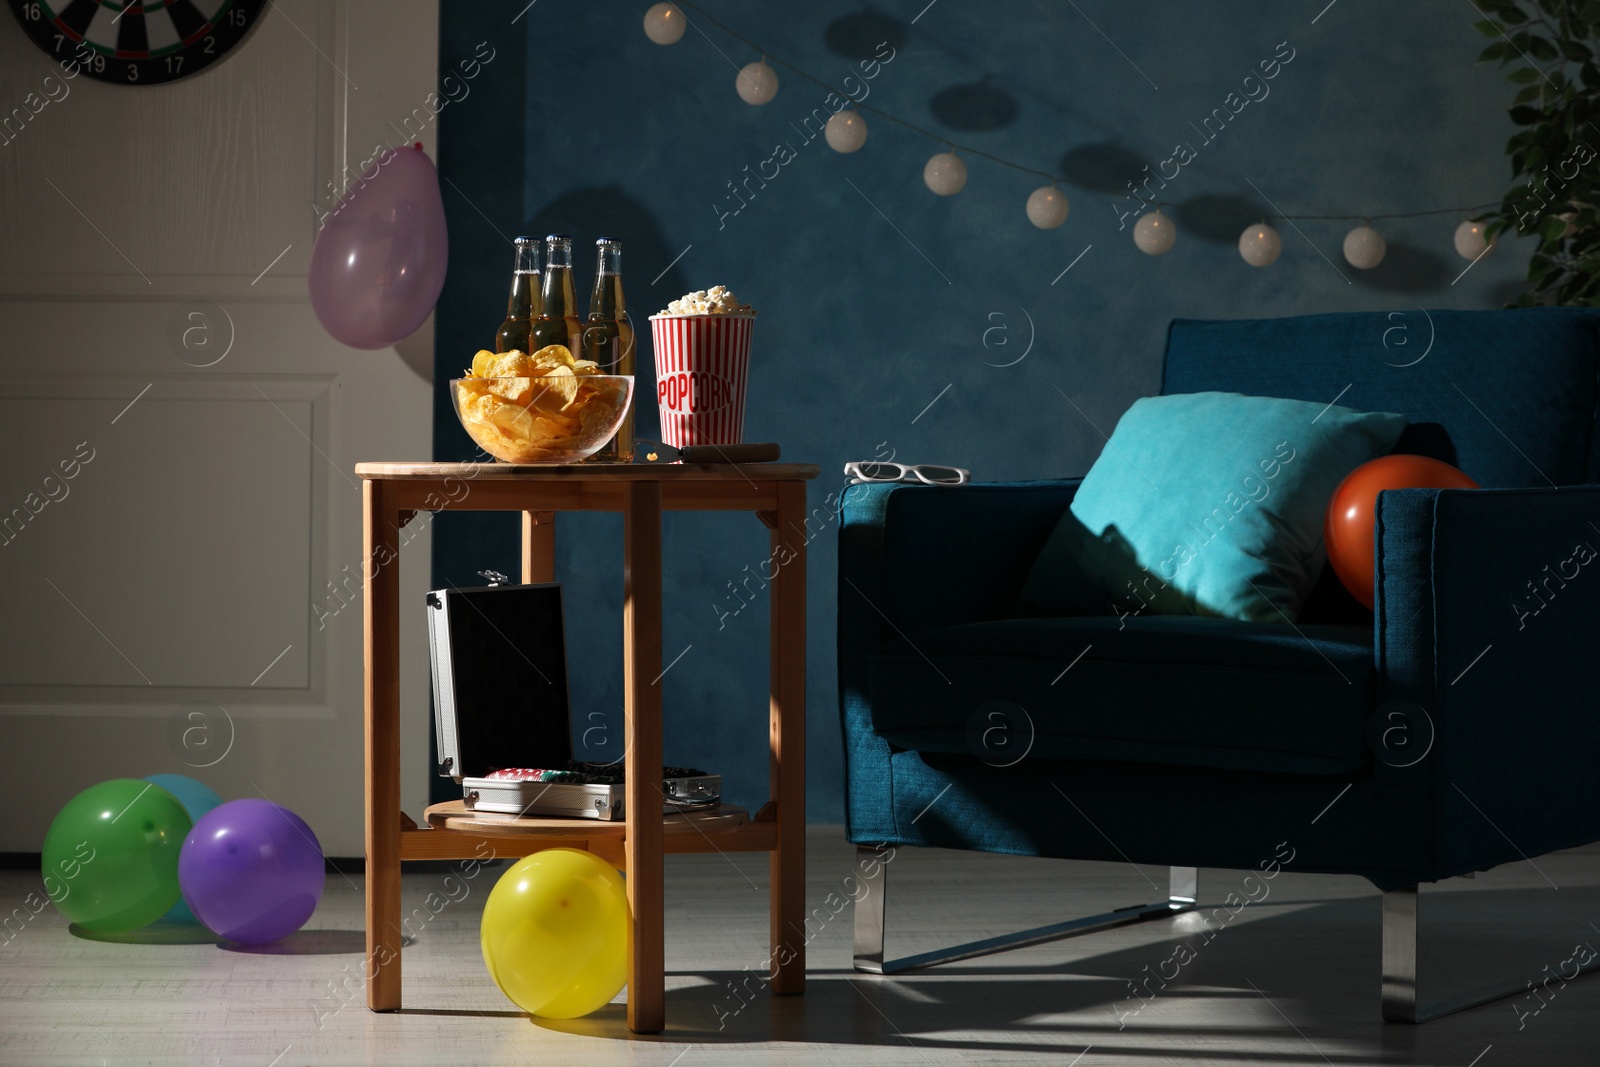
(1453, 730)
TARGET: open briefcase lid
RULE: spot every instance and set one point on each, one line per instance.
(499, 678)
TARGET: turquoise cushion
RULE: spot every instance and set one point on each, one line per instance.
(1205, 504)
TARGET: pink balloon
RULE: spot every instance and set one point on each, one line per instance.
(379, 261)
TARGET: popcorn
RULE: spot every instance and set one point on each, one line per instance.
(714, 301)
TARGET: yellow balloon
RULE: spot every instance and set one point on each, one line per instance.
(555, 933)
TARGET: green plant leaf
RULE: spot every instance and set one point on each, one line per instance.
(1524, 75)
(1574, 51)
(1541, 49)
(1526, 116)
(1487, 28)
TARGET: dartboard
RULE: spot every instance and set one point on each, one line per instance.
(138, 42)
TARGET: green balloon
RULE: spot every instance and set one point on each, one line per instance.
(110, 858)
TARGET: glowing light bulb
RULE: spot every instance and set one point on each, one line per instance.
(945, 174)
(757, 83)
(1260, 245)
(664, 24)
(1154, 234)
(1364, 247)
(1047, 207)
(846, 132)
(1470, 242)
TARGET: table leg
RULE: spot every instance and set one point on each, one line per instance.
(381, 636)
(538, 546)
(787, 726)
(641, 658)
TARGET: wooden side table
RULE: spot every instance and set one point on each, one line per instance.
(392, 494)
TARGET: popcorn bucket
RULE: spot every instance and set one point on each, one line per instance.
(702, 365)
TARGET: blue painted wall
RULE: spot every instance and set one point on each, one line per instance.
(875, 295)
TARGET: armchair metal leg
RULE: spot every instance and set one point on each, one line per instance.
(1400, 1000)
(871, 906)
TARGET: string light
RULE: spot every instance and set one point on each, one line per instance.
(946, 172)
(1154, 234)
(757, 83)
(1470, 242)
(1364, 247)
(846, 132)
(1260, 245)
(664, 24)
(1047, 207)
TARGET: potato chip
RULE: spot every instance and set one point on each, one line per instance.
(511, 365)
(563, 383)
(516, 390)
(511, 418)
(539, 408)
(553, 356)
(593, 418)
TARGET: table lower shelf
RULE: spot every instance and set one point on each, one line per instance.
(453, 832)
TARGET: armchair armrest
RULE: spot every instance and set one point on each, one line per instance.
(915, 557)
(911, 557)
(1487, 608)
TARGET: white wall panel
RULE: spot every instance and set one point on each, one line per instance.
(219, 512)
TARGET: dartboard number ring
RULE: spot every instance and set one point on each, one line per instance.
(138, 42)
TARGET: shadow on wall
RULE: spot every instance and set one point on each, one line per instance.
(1405, 269)
(1102, 167)
(976, 106)
(590, 212)
(1219, 218)
(857, 36)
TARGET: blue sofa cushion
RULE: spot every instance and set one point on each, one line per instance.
(1176, 690)
(1510, 397)
(1219, 499)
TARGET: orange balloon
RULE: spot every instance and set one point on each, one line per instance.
(1348, 532)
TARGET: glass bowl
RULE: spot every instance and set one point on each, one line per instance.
(552, 419)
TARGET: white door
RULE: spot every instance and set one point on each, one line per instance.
(180, 530)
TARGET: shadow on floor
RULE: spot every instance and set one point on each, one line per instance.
(306, 943)
(157, 933)
(1305, 972)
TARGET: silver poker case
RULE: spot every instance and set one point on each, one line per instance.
(590, 800)
(500, 700)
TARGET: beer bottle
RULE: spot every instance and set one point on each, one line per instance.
(557, 321)
(524, 302)
(608, 338)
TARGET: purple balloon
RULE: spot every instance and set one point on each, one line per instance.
(251, 871)
(379, 261)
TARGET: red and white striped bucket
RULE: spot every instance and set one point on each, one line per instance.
(702, 367)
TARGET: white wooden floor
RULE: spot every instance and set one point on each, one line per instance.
(1291, 979)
